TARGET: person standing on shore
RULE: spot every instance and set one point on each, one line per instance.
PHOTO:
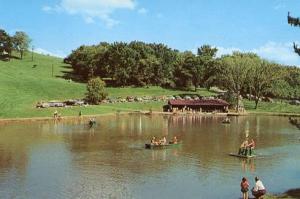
(55, 114)
(244, 187)
(259, 189)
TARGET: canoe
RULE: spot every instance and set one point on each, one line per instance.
(226, 122)
(242, 156)
(151, 146)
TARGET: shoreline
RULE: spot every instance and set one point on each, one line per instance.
(86, 117)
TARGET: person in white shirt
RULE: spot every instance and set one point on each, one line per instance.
(258, 190)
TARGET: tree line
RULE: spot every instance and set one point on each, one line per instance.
(18, 42)
(144, 64)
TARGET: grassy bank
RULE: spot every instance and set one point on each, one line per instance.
(275, 107)
(290, 194)
(24, 82)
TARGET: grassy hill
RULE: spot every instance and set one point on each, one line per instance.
(24, 82)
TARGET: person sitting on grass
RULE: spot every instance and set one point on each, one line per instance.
(258, 190)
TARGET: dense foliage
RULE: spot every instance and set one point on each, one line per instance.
(142, 64)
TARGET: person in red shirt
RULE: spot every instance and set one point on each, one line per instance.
(244, 188)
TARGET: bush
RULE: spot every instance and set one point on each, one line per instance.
(95, 91)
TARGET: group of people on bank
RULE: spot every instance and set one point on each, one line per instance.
(163, 141)
(258, 191)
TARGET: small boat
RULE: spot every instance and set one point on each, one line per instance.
(162, 146)
(293, 121)
(226, 121)
(242, 156)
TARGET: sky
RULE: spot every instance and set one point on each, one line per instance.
(57, 27)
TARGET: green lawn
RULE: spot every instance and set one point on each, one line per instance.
(23, 83)
(275, 107)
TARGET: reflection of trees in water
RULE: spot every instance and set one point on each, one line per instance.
(18, 141)
(14, 149)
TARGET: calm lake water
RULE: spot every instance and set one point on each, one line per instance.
(71, 160)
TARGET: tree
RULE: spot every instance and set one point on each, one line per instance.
(183, 70)
(95, 91)
(21, 42)
(235, 73)
(294, 22)
(281, 89)
(261, 76)
(83, 61)
(210, 67)
(5, 44)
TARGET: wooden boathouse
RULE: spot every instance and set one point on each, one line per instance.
(201, 105)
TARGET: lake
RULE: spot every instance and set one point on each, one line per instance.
(68, 159)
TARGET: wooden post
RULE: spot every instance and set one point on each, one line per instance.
(32, 53)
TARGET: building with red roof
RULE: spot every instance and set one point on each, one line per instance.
(201, 105)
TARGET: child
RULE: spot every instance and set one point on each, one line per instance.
(244, 188)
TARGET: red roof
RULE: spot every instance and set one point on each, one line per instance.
(201, 102)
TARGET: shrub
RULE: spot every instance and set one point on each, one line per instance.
(95, 91)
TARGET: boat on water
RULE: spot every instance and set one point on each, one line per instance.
(226, 121)
(242, 156)
(294, 121)
(162, 146)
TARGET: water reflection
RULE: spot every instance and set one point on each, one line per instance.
(248, 165)
(109, 161)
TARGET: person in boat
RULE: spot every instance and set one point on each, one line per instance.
(163, 141)
(243, 148)
(251, 146)
(226, 120)
(174, 141)
(153, 141)
(258, 190)
(244, 187)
